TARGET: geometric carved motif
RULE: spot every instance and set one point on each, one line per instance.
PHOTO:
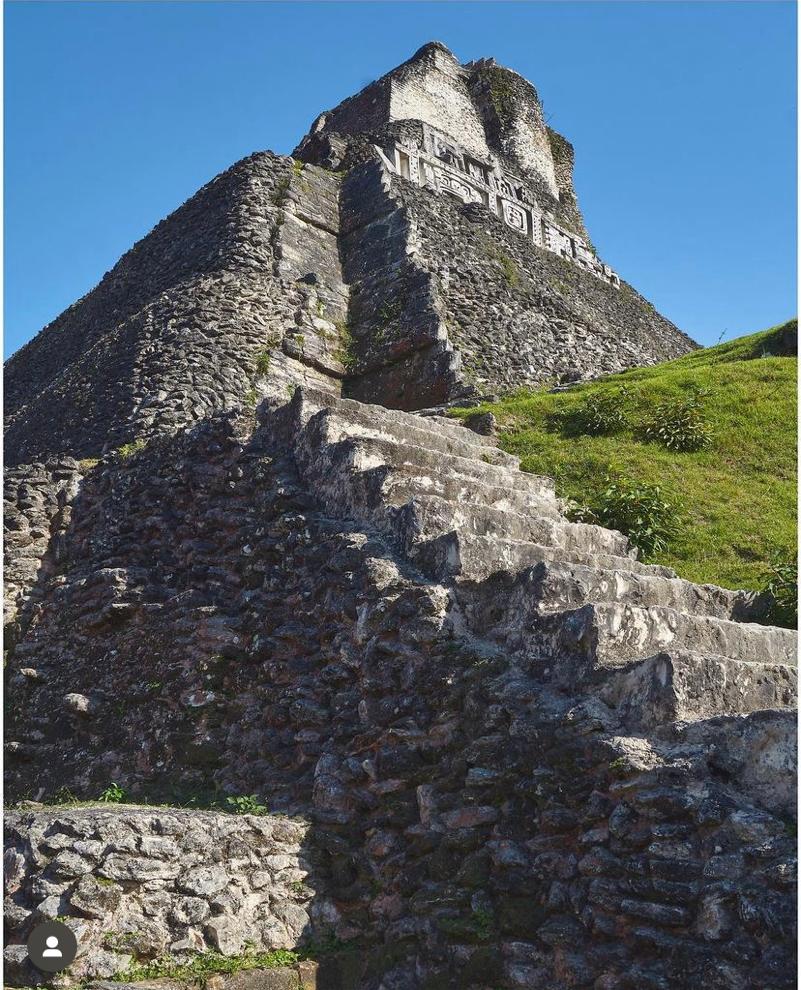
(463, 190)
(474, 182)
(515, 217)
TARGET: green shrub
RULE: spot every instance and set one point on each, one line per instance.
(345, 352)
(680, 424)
(638, 510)
(781, 583)
(279, 194)
(113, 794)
(600, 414)
(263, 362)
(245, 804)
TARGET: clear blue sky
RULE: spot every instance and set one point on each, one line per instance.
(682, 116)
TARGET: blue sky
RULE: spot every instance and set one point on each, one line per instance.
(682, 116)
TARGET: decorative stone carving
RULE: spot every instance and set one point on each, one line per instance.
(477, 172)
(452, 183)
(448, 169)
(515, 217)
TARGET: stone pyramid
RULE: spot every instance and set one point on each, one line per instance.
(243, 570)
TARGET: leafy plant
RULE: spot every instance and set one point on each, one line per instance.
(119, 941)
(346, 351)
(245, 804)
(781, 583)
(279, 193)
(263, 362)
(509, 269)
(505, 262)
(113, 794)
(390, 310)
(680, 423)
(600, 414)
(637, 509)
(484, 922)
(620, 767)
(502, 94)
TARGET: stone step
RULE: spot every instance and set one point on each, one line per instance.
(308, 401)
(478, 558)
(427, 517)
(373, 422)
(558, 585)
(403, 482)
(366, 452)
(681, 685)
(599, 637)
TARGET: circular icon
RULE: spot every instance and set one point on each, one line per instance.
(52, 946)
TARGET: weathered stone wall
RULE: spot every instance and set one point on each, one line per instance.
(563, 163)
(137, 884)
(525, 757)
(432, 86)
(518, 315)
(471, 821)
(36, 515)
(515, 123)
(187, 567)
(400, 349)
(433, 159)
(451, 302)
(173, 333)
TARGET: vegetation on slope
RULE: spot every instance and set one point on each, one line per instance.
(731, 505)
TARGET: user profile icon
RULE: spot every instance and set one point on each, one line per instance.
(52, 951)
(52, 946)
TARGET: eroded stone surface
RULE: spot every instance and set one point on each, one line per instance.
(473, 810)
(149, 883)
(525, 757)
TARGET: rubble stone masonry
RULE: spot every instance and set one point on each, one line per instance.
(497, 749)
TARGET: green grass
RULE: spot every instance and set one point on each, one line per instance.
(206, 964)
(736, 500)
(247, 804)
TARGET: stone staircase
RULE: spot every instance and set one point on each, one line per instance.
(570, 601)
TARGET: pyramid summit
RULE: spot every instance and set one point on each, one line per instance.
(306, 677)
(481, 120)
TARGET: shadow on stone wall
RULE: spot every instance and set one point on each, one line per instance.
(210, 631)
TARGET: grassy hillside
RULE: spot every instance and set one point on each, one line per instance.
(734, 503)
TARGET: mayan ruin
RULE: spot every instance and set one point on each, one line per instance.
(477, 742)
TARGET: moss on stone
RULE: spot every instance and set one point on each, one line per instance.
(128, 450)
(206, 964)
